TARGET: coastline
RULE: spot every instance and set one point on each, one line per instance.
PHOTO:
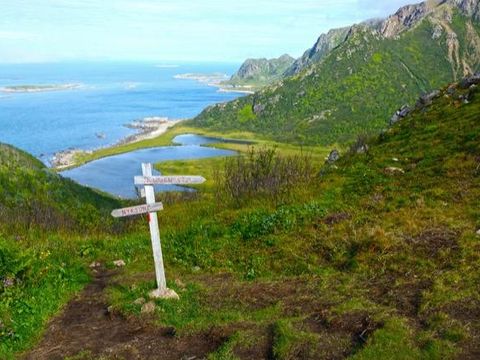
(150, 128)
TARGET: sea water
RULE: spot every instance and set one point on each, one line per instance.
(108, 97)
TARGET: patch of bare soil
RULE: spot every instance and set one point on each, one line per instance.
(341, 335)
(87, 326)
(433, 241)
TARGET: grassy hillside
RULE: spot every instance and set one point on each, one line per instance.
(357, 86)
(376, 258)
(44, 223)
(373, 257)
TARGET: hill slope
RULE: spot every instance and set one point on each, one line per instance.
(260, 72)
(31, 195)
(375, 258)
(362, 81)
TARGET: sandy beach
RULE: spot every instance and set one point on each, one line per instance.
(149, 128)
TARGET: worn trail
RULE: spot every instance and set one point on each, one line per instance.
(87, 327)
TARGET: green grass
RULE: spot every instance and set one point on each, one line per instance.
(357, 251)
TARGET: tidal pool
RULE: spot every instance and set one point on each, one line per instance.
(114, 174)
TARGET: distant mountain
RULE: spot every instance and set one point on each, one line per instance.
(259, 72)
(355, 78)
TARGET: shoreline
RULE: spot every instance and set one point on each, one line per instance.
(149, 128)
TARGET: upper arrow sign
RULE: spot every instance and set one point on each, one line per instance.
(137, 210)
(168, 180)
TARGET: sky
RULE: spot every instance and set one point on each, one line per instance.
(173, 30)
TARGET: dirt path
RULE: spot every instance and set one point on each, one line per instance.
(86, 326)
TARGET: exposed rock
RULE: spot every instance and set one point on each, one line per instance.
(426, 100)
(400, 114)
(139, 301)
(437, 32)
(148, 308)
(164, 294)
(405, 18)
(363, 149)
(258, 109)
(325, 43)
(468, 81)
(262, 70)
(94, 265)
(119, 263)
(333, 157)
(478, 232)
(394, 171)
(8, 282)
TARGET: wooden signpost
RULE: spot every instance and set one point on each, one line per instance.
(151, 207)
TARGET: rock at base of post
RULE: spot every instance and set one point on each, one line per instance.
(164, 294)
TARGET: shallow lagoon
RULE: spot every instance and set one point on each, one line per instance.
(114, 174)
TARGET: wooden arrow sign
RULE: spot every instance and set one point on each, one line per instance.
(137, 210)
(168, 180)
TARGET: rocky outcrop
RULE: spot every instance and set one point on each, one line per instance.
(409, 16)
(325, 43)
(262, 70)
(400, 114)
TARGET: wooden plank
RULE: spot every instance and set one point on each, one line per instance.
(169, 180)
(155, 232)
(137, 210)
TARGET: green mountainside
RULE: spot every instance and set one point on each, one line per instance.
(359, 84)
(256, 73)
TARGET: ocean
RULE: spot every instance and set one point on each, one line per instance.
(106, 97)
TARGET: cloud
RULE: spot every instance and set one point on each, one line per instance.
(176, 29)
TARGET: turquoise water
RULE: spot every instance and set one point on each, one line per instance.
(110, 95)
(115, 174)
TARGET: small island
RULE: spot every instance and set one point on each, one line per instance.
(38, 88)
(218, 80)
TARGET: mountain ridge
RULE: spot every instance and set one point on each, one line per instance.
(361, 81)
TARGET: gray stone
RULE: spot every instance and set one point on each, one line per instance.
(478, 232)
(258, 109)
(363, 149)
(468, 81)
(333, 157)
(400, 114)
(427, 99)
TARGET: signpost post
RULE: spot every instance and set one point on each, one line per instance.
(151, 207)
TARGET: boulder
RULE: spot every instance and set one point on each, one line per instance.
(333, 157)
(119, 263)
(94, 265)
(363, 149)
(394, 171)
(400, 114)
(427, 99)
(468, 81)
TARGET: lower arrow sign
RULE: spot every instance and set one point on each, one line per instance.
(137, 210)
